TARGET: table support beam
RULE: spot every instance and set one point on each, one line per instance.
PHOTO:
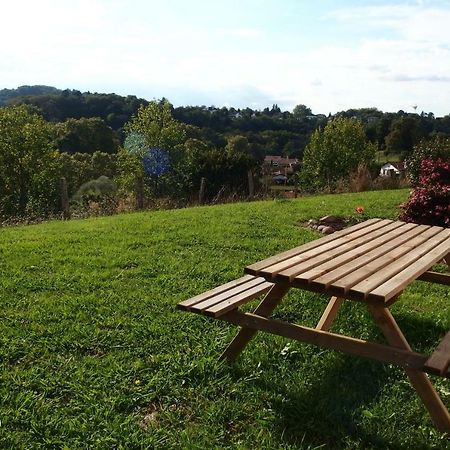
(419, 380)
(264, 309)
(325, 339)
(329, 314)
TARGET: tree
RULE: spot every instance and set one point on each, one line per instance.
(153, 130)
(157, 126)
(86, 135)
(334, 152)
(301, 111)
(29, 164)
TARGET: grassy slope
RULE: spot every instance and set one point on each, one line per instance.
(94, 355)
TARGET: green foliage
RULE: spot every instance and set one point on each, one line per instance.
(29, 165)
(435, 147)
(159, 128)
(96, 189)
(86, 135)
(334, 153)
(79, 168)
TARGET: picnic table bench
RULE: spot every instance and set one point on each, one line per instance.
(371, 262)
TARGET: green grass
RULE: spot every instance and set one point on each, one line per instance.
(93, 353)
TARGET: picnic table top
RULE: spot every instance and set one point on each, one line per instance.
(373, 261)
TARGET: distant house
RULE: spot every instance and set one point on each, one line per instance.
(279, 168)
(281, 163)
(392, 169)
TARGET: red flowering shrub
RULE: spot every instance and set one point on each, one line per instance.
(429, 203)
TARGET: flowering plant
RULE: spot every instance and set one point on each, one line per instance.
(429, 203)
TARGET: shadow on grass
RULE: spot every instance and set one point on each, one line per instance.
(333, 408)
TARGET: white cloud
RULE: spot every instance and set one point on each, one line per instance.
(398, 56)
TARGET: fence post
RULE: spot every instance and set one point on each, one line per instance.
(251, 184)
(201, 194)
(64, 198)
(139, 193)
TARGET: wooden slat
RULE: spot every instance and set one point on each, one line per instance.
(342, 253)
(351, 240)
(325, 276)
(254, 269)
(346, 253)
(205, 304)
(184, 305)
(439, 361)
(397, 281)
(237, 300)
(374, 273)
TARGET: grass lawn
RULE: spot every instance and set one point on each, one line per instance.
(93, 353)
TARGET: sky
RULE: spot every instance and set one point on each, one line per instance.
(330, 55)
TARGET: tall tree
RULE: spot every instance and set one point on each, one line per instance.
(334, 152)
(29, 165)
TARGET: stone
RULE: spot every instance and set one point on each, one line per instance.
(328, 230)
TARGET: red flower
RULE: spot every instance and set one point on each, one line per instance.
(359, 209)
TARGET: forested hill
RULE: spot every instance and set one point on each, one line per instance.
(268, 131)
(6, 95)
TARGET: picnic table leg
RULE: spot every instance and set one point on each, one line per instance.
(418, 379)
(264, 309)
(329, 314)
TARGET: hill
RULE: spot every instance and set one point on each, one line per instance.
(93, 353)
(6, 95)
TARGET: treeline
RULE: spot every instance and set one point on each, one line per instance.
(151, 150)
(268, 131)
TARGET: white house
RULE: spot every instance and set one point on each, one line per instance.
(392, 169)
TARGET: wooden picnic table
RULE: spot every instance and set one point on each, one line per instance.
(371, 262)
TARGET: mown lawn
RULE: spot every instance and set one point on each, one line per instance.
(93, 353)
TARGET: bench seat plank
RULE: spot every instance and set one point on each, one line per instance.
(226, 297)
(439, 361)
(186, 304)
(237, 300)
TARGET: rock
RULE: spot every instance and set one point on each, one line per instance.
(328, 230)
(321, 227)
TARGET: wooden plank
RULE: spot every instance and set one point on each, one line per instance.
(376, 272)
(342, 253)
(237, 300)
(199, 307)
(439, 361)
(324, 275)
(264, 309)
(346, 262)
(397, 281)
(184, 305)
(329, 314)
(352, 240)
(254, 269)
(418, 379)
(435, 277)
(384, 353)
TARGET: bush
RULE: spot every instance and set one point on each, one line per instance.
(429, 203)
(435, 147)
